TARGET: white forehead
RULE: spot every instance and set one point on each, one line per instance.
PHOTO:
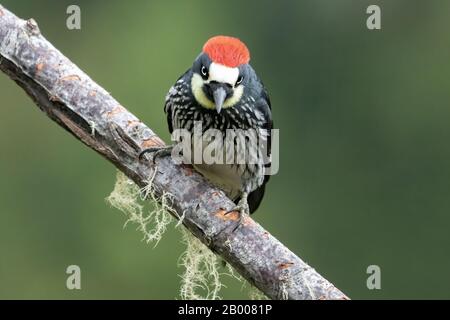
(220, 73)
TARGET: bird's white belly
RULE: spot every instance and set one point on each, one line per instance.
(225, 176)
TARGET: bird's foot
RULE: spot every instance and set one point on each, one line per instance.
(243, 209)
(156, 152)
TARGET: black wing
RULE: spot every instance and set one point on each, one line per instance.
(174, 92)
(263, 105)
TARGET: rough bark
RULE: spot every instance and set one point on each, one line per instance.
(69, 97)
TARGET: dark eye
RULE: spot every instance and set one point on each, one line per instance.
(204, 72)
(239, 80)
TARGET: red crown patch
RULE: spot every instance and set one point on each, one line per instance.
(228, 51)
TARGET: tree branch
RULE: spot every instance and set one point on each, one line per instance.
(69, 97)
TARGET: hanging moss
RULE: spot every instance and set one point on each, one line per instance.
(201, 277)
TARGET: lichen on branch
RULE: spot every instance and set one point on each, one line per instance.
(201, 276)
(152, 217)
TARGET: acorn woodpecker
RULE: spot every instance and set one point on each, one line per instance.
(222, 91)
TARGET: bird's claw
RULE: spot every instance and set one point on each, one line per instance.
(157, 152)
(244, 212)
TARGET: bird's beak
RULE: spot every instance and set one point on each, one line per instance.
(219, 95)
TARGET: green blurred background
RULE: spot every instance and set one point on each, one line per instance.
(363, 117)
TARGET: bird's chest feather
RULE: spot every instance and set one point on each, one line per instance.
(186, 114)
(224, 176)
